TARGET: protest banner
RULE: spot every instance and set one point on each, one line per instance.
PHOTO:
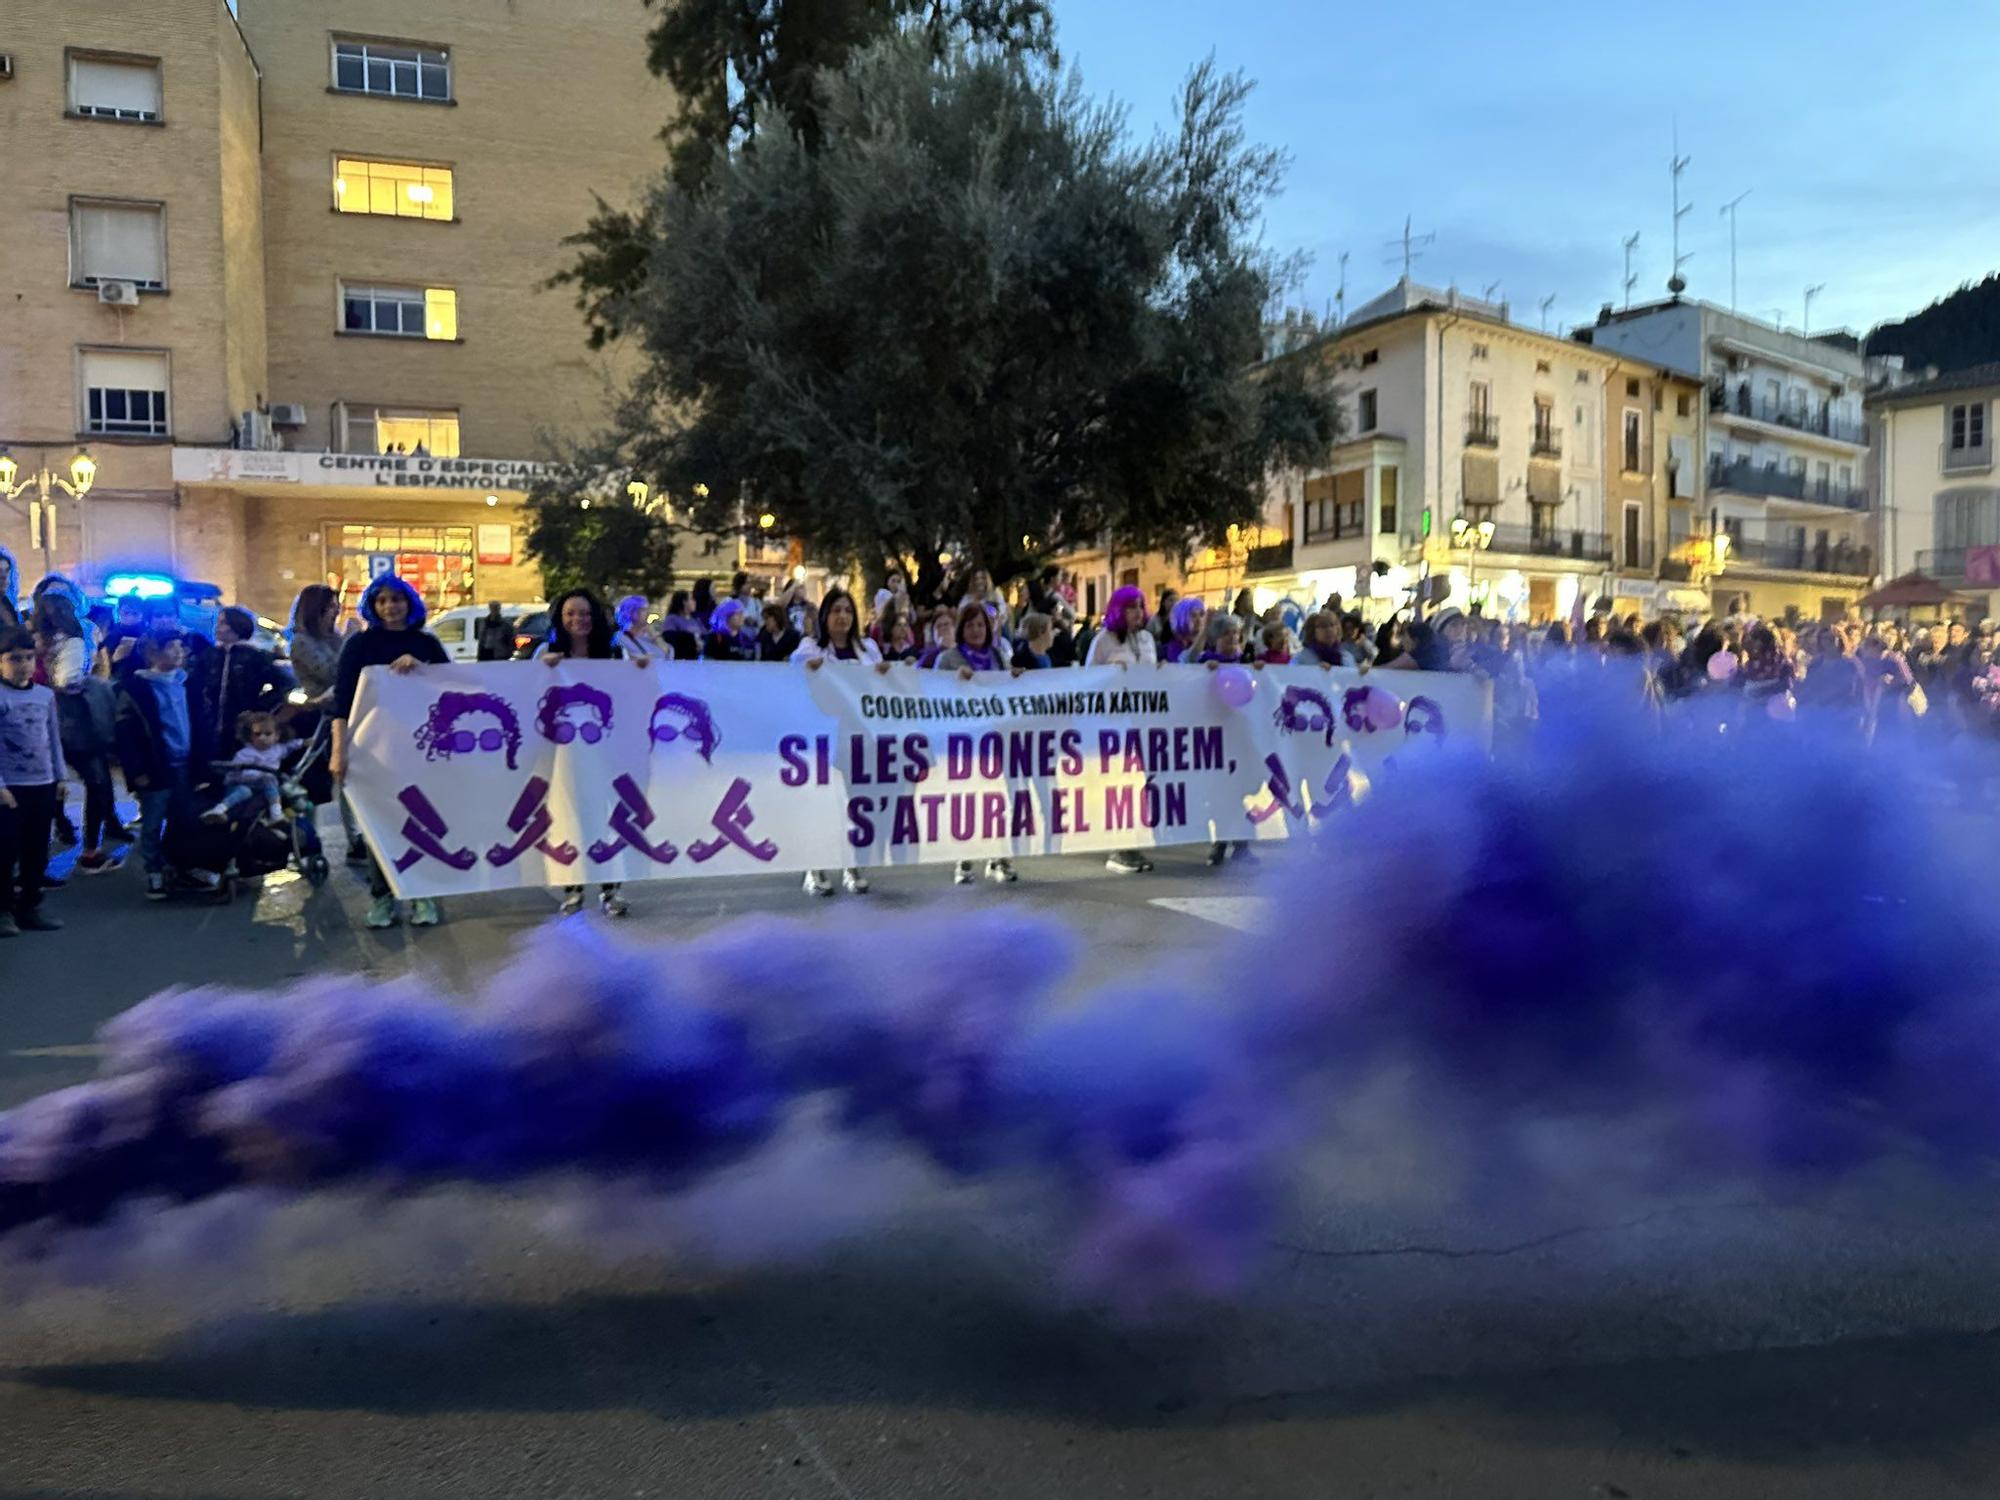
(494, 776)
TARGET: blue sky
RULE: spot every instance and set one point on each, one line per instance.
(1533, 138)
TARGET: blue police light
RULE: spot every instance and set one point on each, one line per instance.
(139, 586)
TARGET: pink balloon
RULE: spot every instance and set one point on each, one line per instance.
(1722, 665)
(1782, 708)
(1381, 709)
(1236, 686)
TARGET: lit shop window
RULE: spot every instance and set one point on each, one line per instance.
(384, 429)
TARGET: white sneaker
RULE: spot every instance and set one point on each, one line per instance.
(1127, 863)
(817, 884)
(612, 904)
(216, 814)
(1001, 871)
(572, 901)
(854, 882)
(963, 874)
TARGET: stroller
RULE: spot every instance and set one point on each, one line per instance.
(247, 846)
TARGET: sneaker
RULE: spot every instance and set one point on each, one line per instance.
(7, 927)
(1001, 871)
(201, 880)
(572, 901)
(52, 882)
(424, 912)
(382, 912)
(854, 882)
(37, 920)
(612, 904)
(817, 884)
(1126, 862)
(216, 814)
(963, 874)
(95, 862)
(357, 854)
(1217, 853)
(156, 885)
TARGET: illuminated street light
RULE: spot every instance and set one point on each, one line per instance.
(766, 521)
(42, 508)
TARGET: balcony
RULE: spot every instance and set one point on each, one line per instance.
(1752, 479)
(1273, 559)
(1547, 442)
(1750, 548)
(1967, 460)
(1551, 541)
(1482, 430)
(1740, 403)
(1635, 557)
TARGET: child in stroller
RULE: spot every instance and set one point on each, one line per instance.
(265, 804)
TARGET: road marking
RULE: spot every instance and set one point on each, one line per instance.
(1244, 913)
(73, 1049)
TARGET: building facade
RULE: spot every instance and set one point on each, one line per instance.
(283, 273)
(1940, 499)
(1785, 455)
(1653, 487)
(1472, 450)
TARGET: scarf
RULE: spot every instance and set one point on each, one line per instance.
(979, 660)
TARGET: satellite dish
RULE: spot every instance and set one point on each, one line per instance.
(1677, 284)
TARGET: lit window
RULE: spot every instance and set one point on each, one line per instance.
(399, 190)
(104, 88)
(400, 311)
(384, 429)
(124, 392)
(401, 72)
(118, 242)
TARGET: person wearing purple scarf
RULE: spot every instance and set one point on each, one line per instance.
(978, 650)
(1186, 623)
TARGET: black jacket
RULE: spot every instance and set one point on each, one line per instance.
(232, 680)
(141, 745)
(376, 647)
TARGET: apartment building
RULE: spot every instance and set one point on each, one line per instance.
(1472, 449)
(1940, 500)
(281, 272)
(1785, 455)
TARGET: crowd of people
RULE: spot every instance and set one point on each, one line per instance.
(206, 728)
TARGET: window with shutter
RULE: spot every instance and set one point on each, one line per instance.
(124, 392)
(118, 242)
(103, 88)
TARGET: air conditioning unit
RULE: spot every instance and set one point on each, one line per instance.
(6, 66)
(287, 414)
(118, 293)
(253, 431)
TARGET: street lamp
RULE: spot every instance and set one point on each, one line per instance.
(42, 509)
(1471, 538)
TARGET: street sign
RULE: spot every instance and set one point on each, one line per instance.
(381, 564)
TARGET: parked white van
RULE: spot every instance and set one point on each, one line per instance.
(457, 629)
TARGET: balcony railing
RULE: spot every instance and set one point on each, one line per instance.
(1273, 559)
(1551, 541)
(1547, 442)
(1754, 479)
(1482, 431)
(1742, 403)
(1965, 460)
(1790, 554)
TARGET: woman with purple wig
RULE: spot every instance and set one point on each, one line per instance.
(1124, 642)
(1184, 630)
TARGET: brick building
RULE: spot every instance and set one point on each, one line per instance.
(281, 274)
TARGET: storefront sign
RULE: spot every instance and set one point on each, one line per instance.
(496, 542)
(491, 777)
(380, 471)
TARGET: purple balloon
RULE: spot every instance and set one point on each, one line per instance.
(1236, 686)
(1783, 708)
(1722, 665)
(1381, 709)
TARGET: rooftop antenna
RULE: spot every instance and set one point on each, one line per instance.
(1340, 297)
(1631, 281)
(1805, 328)
(1547, 303)
(1778, 319)
(1677, 164)
(1410, 247)
(1487, 294)
(1729, 213)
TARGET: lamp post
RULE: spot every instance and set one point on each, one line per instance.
(42, 508)
(1471, 538)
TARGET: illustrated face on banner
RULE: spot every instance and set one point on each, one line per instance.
(470, 723)
(575, 712)
(1423, 720)
(1305, 710)
(681, 720)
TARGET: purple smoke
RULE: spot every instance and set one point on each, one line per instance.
(1756, 945)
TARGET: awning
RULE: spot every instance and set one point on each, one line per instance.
(1912, 589)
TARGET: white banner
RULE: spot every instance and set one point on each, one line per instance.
(488, 777)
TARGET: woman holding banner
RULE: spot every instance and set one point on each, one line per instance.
(978, 650)
(580, 630)
(393, 636)
(1125, 642)
(837, 638)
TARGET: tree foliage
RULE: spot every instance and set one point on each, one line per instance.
(740, 68)
(971, 317)
(586, 539)
(1953, 333)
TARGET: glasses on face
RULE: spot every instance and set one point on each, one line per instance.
(666, 734)
(464, 741)
(590, 731)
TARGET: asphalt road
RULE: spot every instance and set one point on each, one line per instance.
(1608, 1342)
